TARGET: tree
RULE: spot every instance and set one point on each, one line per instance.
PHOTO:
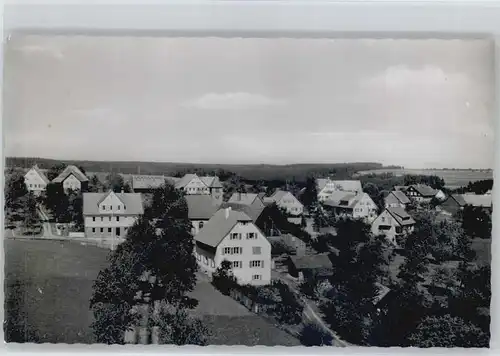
(31, 219)
(375, 194)
(15, 195)
(223, 278)
(75, 209)
(476, 222)
(358, 268)
(154, 266)
(289, 309)
(313, 335)
(447, 331)
(57, 202)
(55, 170)
(95, 185)
(115, 182)
(310, 194)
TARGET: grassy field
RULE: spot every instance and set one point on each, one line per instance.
(453, 178)
(48, 285)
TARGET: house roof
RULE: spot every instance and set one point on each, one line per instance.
(71, 170)
(343, 200)
(41, 174)
(251, 210)
(401, 216)
(343, 185)
(381, 293)
(219, 225)
(276, 196)
(201, 207)
(132, 201)
(147, 181)
(403, 199)
(181, 183)
(243, 198)
(424, 190)
(484, 201)
(211, 182)
(320, 261)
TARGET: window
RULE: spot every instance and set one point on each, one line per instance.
(117, 218)
(102, 230)
(199, 257)
(227, 251)
(399, 229)
(212, 263)
(254, 264)
(237, 264)
(235, 236)
(102, 219)
(93, 218)
(200, 224)
(256, 250)
(109, 229)
(205, 260)
(124, 207)
(382, 218)
(237, 251)
(251, 235)
(119, 206)
(111, 207)
(256, 277)
(31, 185)
(110, 218)
(104, 207)
(93, 229)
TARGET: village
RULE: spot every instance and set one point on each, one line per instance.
(263, 236)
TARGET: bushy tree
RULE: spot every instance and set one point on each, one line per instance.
(447, 331)
(476, 222)
(31, 218)
(223, 278)
(16, 194)
(57, 202)
(75, 209)
(358, 269)
(116, 183)
(310, 194)
(313, 335)
(95, 185)
(289, 309)
(55, 170)
(154, 265)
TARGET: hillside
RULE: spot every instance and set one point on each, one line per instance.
(297, 172)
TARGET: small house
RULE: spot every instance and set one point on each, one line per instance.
(310, 266)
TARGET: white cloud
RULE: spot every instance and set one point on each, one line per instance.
(233, 101)
(43, 50)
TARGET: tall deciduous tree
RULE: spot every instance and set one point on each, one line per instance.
(95, 185)
(116, 183)
(310, 194)
(155, 266)
(57, 202)
(31, 218)
(55, 170)
(15, 195)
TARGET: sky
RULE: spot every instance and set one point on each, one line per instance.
(416, 103)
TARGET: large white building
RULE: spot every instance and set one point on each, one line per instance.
(110, 214)
(231, 235)
(356, 206)
(35, 180)
(192, 184)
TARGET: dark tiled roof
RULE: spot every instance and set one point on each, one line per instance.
(403, 199)
(424, 190)
(401, 216)
(251, 210)
(70, 170)
(147, 181)
(243, 198)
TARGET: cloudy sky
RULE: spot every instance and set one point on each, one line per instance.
(417, 103)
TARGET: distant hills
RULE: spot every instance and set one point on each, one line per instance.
(297, 172)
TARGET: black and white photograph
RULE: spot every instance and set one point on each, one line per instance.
(332, 192)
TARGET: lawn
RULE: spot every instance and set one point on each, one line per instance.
(48, 285)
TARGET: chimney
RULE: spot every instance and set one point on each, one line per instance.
(227, 211)
(123, 191)
(239, 195)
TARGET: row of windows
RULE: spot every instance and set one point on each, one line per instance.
(237, 236)
(251, 264)
(109, 229)
(111, 207)
(36, 185)
(109, 217)
(256, 250)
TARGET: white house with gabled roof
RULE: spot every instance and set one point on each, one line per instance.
(287, 201)
(231, 235)
(72, 178)
(110, 214)
(35, 180)
(326, 187)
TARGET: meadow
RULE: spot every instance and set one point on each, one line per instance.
(454, 178)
